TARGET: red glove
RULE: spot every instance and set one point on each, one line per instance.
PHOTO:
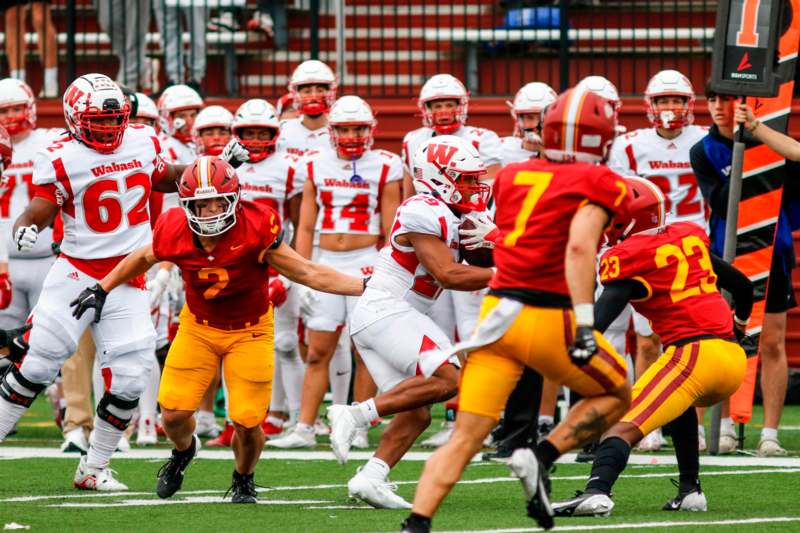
(5, 290)
(277, 292)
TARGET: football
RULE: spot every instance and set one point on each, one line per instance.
(482, 257)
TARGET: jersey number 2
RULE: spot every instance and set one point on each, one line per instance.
(222, 279)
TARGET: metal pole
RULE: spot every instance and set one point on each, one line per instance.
(729, 252)
(70, 41)
(563, 45)
(341, 43)
(313, 28)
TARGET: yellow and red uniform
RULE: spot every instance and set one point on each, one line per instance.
(527, 317)
(227, 316)
(701, 364)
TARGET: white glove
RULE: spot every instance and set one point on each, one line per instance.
(235, 153)
(157, 286)
(25, 237)
(482, 235)
(308, 302)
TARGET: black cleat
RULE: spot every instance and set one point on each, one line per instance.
(535, 483)
(500, 455)
(416, 524)
(170, 475)
(587, 454)
(243, 488)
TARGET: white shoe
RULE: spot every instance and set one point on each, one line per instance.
(727, 443)
(75, 441)
(124, 445)
(440, 438)
(770, 448)
(652, 442)
(361, 441)
(146, 434)
(377, 493)
(344, 430)
(701, 443)
(206, 425)
(295, 439)
(584, 504)
(99, 479)
(321, 428)
(694, 501)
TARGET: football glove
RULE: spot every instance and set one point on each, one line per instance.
(584, 346)
(235, 153)
(278, 290)
(15, 342)
(156, 287)
(90, 298)
(25, 237)
(5, 290)
(308, 302)
(482, 235)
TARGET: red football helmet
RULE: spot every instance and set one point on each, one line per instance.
(645, 210)
(207, 178)
(579, 126)
(5, 150)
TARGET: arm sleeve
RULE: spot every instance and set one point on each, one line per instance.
(417, 217)
(735, 282)
(491, 150)
(715, 191)
(613, 300)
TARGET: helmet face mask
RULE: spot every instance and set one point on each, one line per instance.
(450, 169)
(17, 106)
(211, 130)
(351, 125)
(443, 102)
(257, 127)
(213, 139)
(260, 141)
(96, 112)
(206, 180)
(527, 110)
(312, 87)
(665, 84)
(313, 99)
(177, 108)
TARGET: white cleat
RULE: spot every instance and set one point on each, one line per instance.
(206, 425)
(536, 484)
(770, 448)
(75, 441)
(146, 434)
(361, 440)
(728, 443)
(344, 429)
(584, 504)
(694, 501)
(99, 479)
(377, 493)
(124, 445)
(321, 428)
(652, 442)
(295, 439)
(439, 439)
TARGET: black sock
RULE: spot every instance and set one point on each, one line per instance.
(242, 476)
(610, 460)
(188, 451)
(417, 523)
(685, 440)
(547, 453)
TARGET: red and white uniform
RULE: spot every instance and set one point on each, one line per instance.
(177, 152)
(512, 151)
(296, 139)
(26, 269)
(485, 141)
(400, 295)
(666, 163)
(349, 199)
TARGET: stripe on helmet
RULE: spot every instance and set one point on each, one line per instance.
(572, 112)
(662, 214)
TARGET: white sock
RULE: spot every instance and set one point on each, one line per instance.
(545, 419)
(105, 439)
(366, 412)
(98, 385)
(275, 421)
(51, 79)
(726, 426)
(10, 413)
(701, 431)
(769, 433)
(148, 401)
(305, 428)
(18, 74)
(278, 400)
(293, 371)
(376, 469)
(340, 370)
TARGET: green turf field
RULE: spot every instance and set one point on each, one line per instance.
(310, 495)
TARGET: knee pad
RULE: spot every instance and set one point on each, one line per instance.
(40, 369)
(116, 411)
(17, 389)
(129, 374)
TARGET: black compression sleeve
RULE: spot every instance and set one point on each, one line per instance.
(613, 300)
(735, 282)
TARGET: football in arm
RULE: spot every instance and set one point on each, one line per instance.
(482, 257)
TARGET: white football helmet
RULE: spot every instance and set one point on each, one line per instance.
(313, 72)
(440, 167)
(213, 116)
(15, 92)
(531, 98)
(89, 98)
(670, 83)
(257, 113)
(351, 111)
(602, 87)
(146, 109)
(178, 98)
(444, 87)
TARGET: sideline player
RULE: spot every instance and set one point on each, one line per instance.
(422, 258)
(551, 215)
(223, 247)
(211, 130)
(178, 107)
(669, 276)
(526, 110)
(350, 197)
(100, 178)
(312, 89)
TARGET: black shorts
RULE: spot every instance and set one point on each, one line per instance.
(780, 293)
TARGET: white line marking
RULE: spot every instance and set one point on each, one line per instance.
(642, 525)
(189, 500)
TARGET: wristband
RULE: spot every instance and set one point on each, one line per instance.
(756, 123)
(584, 314)
(740, 322)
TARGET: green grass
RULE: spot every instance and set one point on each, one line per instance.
(733, 492)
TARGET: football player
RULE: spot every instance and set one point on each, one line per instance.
(285, 108)
(99, 177)
(526, 110)
(350, 196)
(146, 112)
(422, 258)
(223, 247)
(178, 107)
(312, 88)
(551, 214)
(668, 274)
(211, 130)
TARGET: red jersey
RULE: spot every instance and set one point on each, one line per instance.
(536, 201)
(227, 287)
(674, 265)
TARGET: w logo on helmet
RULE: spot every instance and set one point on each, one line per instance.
(73, 95)
(441, 154)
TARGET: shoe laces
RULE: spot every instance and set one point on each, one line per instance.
(175, 464)
(244, 484)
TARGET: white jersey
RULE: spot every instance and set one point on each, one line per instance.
(398, 270)
(176, 152)
(271, 181)
(296, 139)
(17, 191)
(349, 191)
(485, 141)
(666, 163)
(513, 152)
(103, 197)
